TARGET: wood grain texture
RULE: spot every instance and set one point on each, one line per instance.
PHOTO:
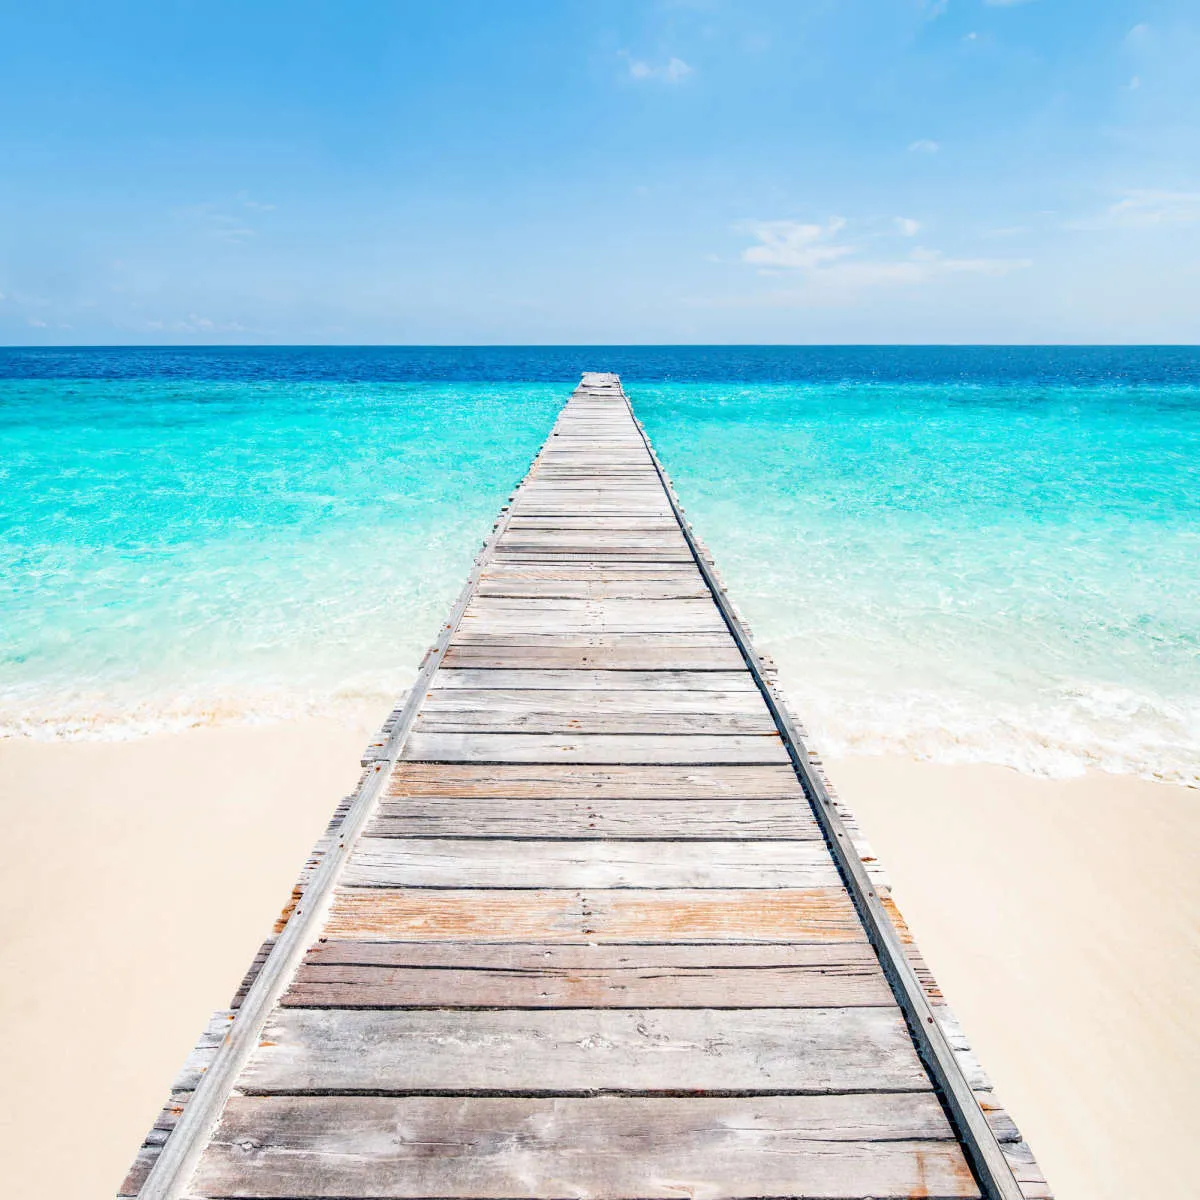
(571, 817)
(585, 1050)
(559, 780)
(450, 863)
(338, 974)
(424, 746)
(678, 684)
(606, 1148)
(592, 710)
(693, 915)
(611, 652)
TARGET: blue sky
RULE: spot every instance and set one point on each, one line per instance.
(594, 171)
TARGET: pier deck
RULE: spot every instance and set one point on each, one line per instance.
(592, 925)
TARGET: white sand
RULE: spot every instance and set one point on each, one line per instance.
(141, 877)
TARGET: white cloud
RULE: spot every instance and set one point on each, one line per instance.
(924, 146)
(1138, 33)
(674, 70)
(791, 244)
(1135, 83)
(816, 252)
(934, 8)
(1146, 208)
(36, 322)
(199, 324)
(223, 225)
(1004, 3)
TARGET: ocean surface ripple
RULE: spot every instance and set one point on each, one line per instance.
(963, 554)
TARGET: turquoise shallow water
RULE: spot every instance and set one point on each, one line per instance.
(964, 573)
(968, 562)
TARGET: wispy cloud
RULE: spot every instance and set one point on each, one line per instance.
(932, 9)
(924, 146)
(196, 324)
(1004, 3)
(1145, 208)
(791, 244)
(229, 223)
(674, 70)
(818, 253)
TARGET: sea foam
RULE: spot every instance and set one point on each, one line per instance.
(987, 558)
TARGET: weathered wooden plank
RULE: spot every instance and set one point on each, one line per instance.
(722, 915)
(539, 817)
(559, 780)
(491, 627)
(593, 711)
(671, 641)
(524, 551)
(580, 1051)
(569, 521)
(674, 683)
(380, 987)
(586, 701)
(606, 652)
(540, 976)
(632, 588)
(540, 957)
(563, 615)
(453, 863)
(587, 571)
(423, 746)
(601, 1147)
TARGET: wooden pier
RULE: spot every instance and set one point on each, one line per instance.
(592, 924)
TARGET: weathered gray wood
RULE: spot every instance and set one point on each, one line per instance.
(539, 957)
(540, 976)
(593, 748)
(676, 683)
(560, 581)
(558, 817)
(579, 1051)
(612, 652)
(449, 863)
(792, 915)
(601, 1148)
(571, 521)
(558, 780)
(593, 711)
(563, 616)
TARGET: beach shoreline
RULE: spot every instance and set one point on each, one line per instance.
(1054, 913)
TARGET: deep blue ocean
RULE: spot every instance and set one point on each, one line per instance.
(963, 553)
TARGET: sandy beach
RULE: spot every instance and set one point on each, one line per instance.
(1058, 916)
